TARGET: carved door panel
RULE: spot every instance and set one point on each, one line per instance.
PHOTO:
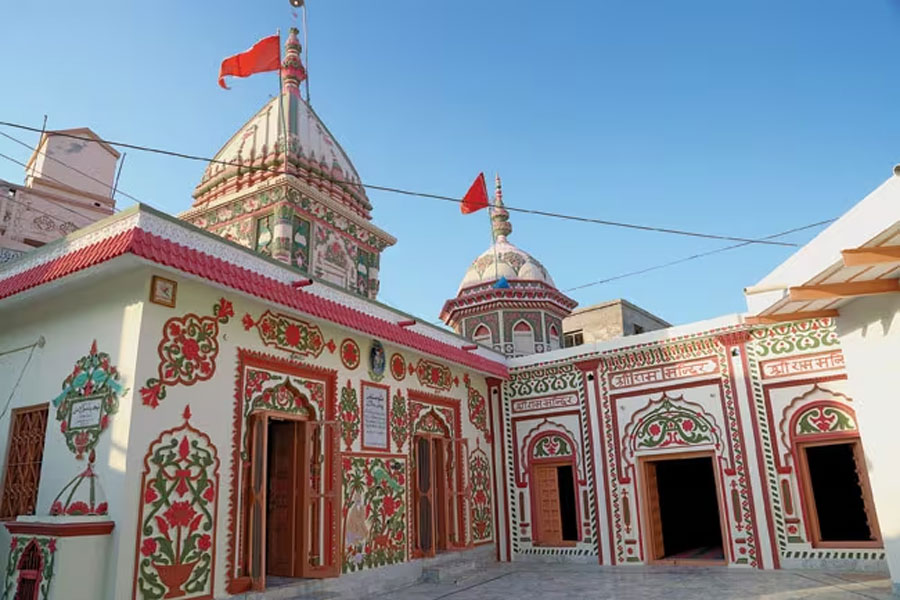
(320, 477)
(549, 525)
(281, 498)
(424, 497)
(255, 506)
(654, 517)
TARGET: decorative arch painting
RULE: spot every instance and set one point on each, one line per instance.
(176, 538)
(187, 352)
(90, 395)
(30, 564)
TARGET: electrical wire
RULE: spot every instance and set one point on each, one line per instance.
(401, 191)
(38, 344)
(68, 166)
(693, 257)
(59, 204)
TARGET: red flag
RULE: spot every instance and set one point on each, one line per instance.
(265, 55)
(476, 198)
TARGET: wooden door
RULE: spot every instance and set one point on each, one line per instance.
(441, 474)
(320, 488)
(549, 520)
(424, 497)
(654, 517)
(255, 506)
(281, 544)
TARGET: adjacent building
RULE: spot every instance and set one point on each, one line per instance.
(69, 183)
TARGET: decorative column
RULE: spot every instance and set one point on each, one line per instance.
(498, 469)
(591, 407)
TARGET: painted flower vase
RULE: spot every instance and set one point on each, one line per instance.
(174, 576)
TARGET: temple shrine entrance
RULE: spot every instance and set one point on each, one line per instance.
(683, 517)
(432, 518)
(291, 499)
(839, 502)
(556, 520)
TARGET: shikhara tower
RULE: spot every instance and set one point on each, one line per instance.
(507, 299)
(284, 187)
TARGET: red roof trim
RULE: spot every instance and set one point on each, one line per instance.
(169, 253)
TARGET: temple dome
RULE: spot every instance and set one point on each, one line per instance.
(503, 259)
(285, 136)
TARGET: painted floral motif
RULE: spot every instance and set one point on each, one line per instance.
(552, 446)
(794, 337)
(824, 419)
(398, 366)
(374, 512)
(90, 394)
(348, 409)
(543, 381)
(285, 397)
(292, 395)
(187, 351)
(176, 530)
(477, 409)
(18, 546)
(433, 374)
(289, 334)
(350, 353)
(431, 423)
(671, 425)
(479, 474)
(88, 502)
(399, 421)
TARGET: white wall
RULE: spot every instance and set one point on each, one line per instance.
(107, 310)
(869, 329)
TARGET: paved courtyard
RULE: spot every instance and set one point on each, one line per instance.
(552, 582)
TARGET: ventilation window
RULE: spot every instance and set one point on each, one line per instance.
(573, 338)
(482, 335)
(523, 338)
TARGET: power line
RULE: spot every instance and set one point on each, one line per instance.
(413, 193)
(59, 204)
(693, 257)
(68, 166)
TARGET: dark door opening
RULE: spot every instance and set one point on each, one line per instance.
(840, 502)
(683, 505)
(556, 519)
(282, 504)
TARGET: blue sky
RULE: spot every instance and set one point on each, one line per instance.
(743, 119)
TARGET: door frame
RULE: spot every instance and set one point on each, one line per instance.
(644, 496)
(438, 509)
(809, 501)
(267, 416)
(535, 511)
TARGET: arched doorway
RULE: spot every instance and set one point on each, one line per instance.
(435, 463)
(292, 492)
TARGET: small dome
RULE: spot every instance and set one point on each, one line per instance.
(503, 259)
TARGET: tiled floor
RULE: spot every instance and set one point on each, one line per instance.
(552, 582)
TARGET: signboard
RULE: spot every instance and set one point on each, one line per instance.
(86, 413)
(375, 416)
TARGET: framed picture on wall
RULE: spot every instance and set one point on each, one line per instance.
(375, 411)
(162, 291)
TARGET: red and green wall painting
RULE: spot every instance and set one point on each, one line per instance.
(187, 352)
(90, 395)
(29, 568)
(289, 334)
(477, 409)
(399, 421)
(479, 476)
(176, 537)
(348, 410)
(374, 511)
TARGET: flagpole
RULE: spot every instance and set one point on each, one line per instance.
(306, 50)
(283, 127)
(493, 241)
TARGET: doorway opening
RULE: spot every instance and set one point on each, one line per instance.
(683, 516)
(841, 508)
(556, 518)
(291, 502)
(432, 526)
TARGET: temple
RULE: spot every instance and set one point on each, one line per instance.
(235, 415)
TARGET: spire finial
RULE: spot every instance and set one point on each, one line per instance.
(292, 71)
(500, 224)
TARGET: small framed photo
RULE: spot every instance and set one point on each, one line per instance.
(162, 291)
